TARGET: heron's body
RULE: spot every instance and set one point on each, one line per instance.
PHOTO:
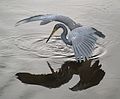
(80, 31)
(81, 38)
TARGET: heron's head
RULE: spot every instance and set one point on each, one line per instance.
(56, 27)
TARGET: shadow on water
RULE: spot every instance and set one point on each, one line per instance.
(90, 75)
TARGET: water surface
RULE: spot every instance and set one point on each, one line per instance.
(23, 48)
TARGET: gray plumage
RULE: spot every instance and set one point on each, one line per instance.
(45, 19)
(81, 38)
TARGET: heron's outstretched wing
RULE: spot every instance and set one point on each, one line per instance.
(45, 19)
(83, 46)
(83, 42)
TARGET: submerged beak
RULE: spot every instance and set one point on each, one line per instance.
(54, 30)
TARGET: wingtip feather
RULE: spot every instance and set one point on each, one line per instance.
(21, 22)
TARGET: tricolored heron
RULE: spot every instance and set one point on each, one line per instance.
(81, 38)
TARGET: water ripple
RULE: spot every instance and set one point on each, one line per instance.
(55, 48)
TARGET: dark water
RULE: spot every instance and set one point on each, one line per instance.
(23, 49)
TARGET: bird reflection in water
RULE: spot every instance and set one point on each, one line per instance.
(90, 75)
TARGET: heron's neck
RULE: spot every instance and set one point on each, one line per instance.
(64, 34)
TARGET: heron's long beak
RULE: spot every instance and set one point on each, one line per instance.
(54, 30)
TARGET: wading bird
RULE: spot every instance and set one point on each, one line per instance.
(81, 38)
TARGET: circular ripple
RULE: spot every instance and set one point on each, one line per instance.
(55, 48)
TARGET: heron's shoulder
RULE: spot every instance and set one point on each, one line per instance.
(83, 29)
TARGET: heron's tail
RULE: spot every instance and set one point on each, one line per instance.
(98, 33)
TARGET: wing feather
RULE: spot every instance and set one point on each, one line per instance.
(83, 44)
(92, 37)
(85, 50)
(80, 49)
(91, 42)
(88, 48)
(79, 56)
(76, 53)
(47, 18)
(84, 54)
